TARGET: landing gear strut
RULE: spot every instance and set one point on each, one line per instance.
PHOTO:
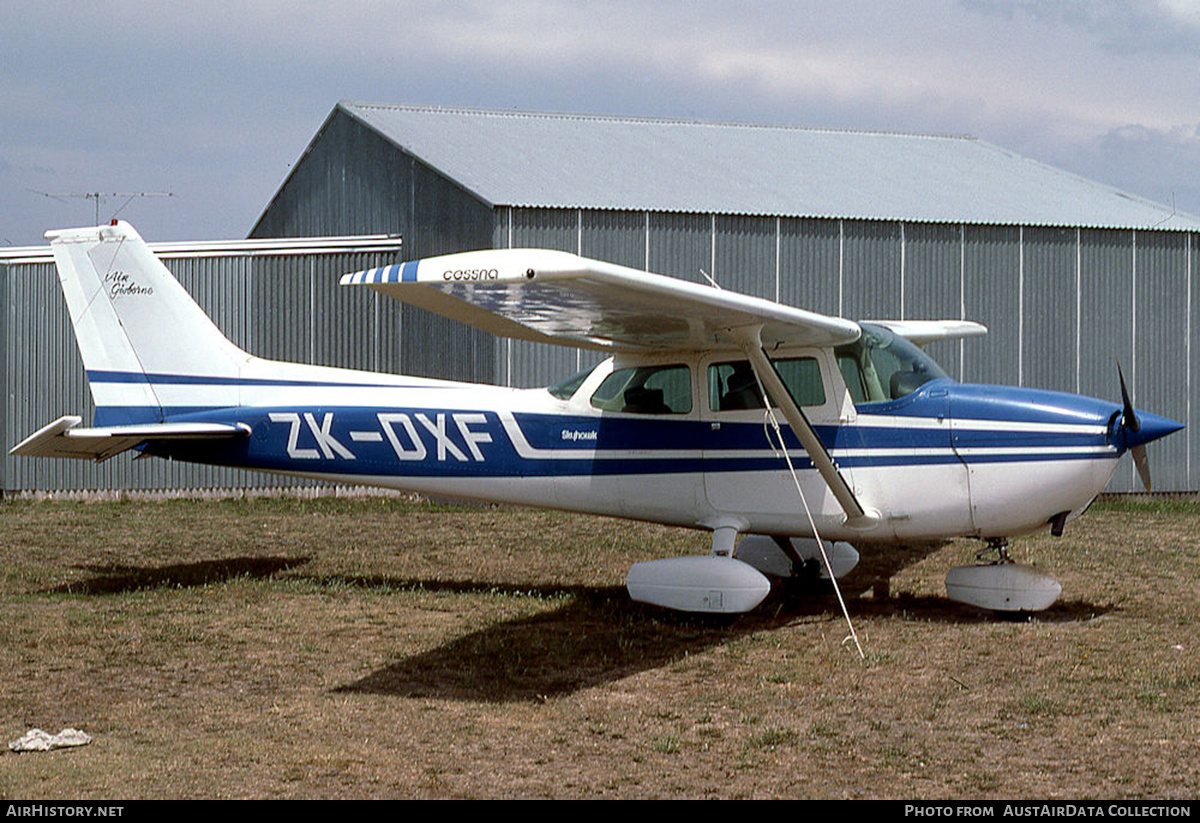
(997, 547)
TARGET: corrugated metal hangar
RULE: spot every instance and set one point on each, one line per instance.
(1070, 276)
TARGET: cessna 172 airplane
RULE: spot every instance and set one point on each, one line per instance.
(877, 444)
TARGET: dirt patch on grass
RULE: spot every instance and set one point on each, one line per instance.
(382, 648)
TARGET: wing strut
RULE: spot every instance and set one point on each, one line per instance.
(856, 516)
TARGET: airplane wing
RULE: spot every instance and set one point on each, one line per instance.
(924, 332)
(63, 438)
(557, 297)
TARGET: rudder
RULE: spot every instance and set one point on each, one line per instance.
(146, 345)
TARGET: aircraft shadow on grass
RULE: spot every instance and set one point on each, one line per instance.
(600, 637)
(116, 578)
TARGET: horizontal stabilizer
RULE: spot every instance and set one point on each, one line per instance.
(63, 438)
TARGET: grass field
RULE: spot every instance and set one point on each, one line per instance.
(384, 648)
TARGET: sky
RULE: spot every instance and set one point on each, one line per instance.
(212, 103)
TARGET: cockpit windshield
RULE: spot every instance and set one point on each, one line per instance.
(881, 366)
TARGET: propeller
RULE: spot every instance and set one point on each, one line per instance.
(1131, 425)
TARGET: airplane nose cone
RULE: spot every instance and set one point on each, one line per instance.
(1150, 427)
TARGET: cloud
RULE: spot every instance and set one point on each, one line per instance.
(214, 101)
(1118, 26)
(1158, 164)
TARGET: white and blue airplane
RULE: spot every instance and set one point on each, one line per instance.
(881, 446)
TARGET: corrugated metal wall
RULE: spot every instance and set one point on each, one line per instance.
(933, 281)
(1161, 319)
(1063, 305)
(280, 306)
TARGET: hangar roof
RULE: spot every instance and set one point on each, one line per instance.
(271, 247)
(527, 159)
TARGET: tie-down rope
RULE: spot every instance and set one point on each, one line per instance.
(774, 424)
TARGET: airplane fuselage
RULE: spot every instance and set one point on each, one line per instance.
(946, 460)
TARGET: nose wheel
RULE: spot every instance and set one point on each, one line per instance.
(999, 584)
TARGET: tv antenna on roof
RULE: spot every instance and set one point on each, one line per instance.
(99, 196)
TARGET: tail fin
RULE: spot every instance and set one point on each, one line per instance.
(144, 341)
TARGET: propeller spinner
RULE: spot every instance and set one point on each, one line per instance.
(1140, 430)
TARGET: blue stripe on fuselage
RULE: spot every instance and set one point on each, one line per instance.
(426, 442)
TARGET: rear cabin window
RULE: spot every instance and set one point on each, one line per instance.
(565, 389)
(733, 385)
(646, 390)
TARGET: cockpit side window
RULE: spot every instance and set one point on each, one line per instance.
(882, 366)
(646, 390)
(733, 385)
